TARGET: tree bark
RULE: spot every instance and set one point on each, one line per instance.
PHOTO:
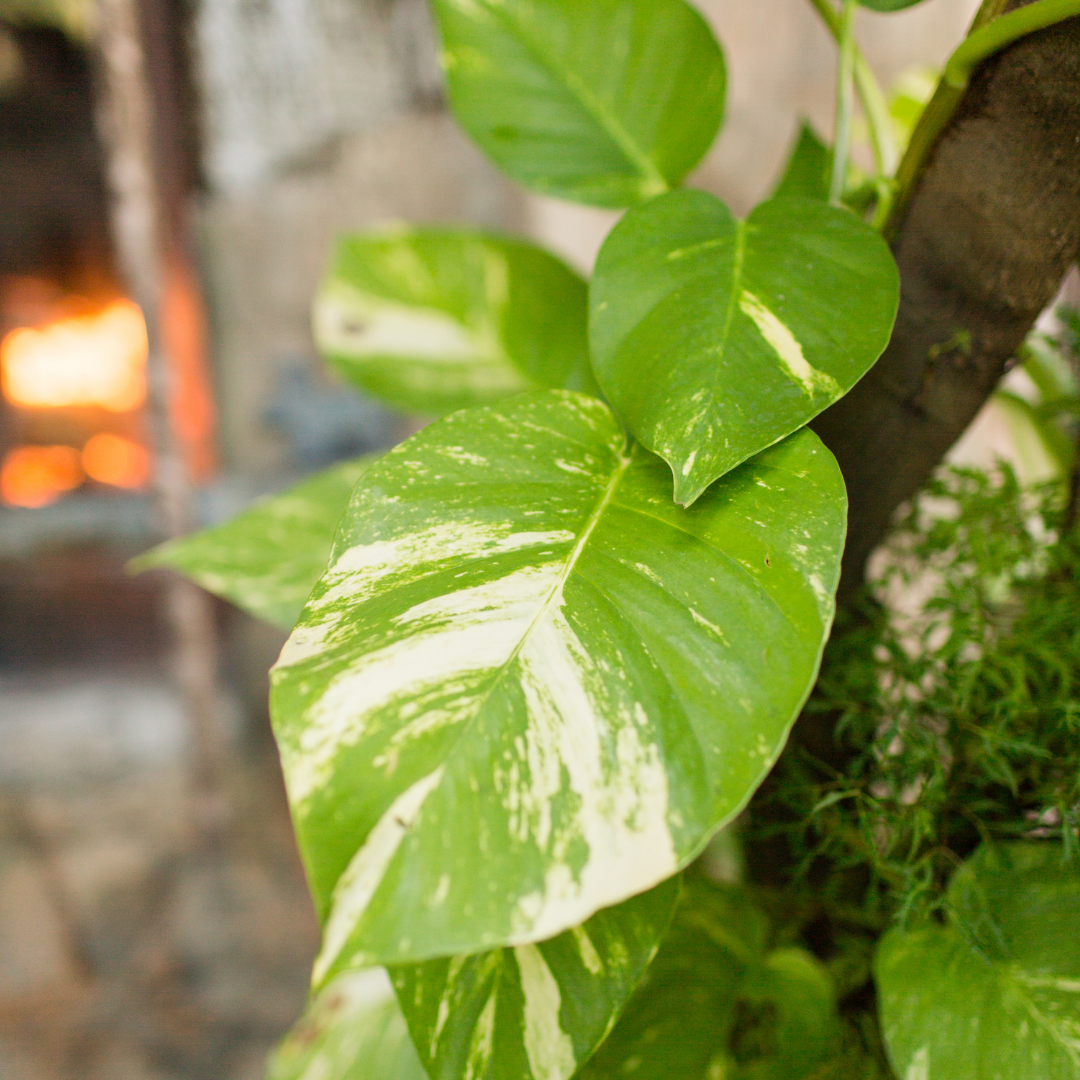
(988, 236)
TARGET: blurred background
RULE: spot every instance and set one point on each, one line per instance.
(186, 164)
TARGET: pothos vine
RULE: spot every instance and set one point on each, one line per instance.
(542, 651)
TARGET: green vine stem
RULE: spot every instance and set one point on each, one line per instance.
(987, 38)
(845, 105)
(882, 139)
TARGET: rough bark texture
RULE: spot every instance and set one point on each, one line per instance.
(989, 235)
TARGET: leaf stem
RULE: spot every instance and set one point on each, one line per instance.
(1001, 32)
(987, 38)
(845, 105)
(876, 108)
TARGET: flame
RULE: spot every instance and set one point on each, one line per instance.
(97, 359)
(112, 459)
(38, 475)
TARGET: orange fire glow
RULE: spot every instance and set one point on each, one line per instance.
(38, 475)
(111, 459)
(96, 359)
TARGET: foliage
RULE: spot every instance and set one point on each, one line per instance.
(946, 717)
(267, 559)
(1049, 409)
(353, 1030)
(74, 17)
(438, 319)
(719, 1000)
(490, 1012)
(529, 686)
(957, 722)
(888, 5)
(993, 992)
(515, 609)
(603, 126)
(746, 308)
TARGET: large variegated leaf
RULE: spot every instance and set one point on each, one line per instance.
(353, 1030)
(607, 102)
(713, 338)
(534, 1012)
(267, 559)
(529, 686)
(433, 320)
(995, 994)
(717, 1003)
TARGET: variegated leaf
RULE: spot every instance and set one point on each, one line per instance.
(714, 338)
(995, 994)
(607, 102)
(433, 320)
(267, 559)
(534, 1012)
(353, 1030)
(529, 686)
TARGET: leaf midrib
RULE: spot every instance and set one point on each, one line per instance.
(596, 109)
(738, 258)
(625, 459)
(737, 567)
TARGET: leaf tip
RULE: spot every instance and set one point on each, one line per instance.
(688, 486)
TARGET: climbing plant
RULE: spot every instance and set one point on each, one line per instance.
(542, 652)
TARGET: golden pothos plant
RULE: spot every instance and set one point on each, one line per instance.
(543, 651)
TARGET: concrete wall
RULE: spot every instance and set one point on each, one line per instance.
(324, 115)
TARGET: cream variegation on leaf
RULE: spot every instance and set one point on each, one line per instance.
(533, 1012)
(525, 689)
(714, 338)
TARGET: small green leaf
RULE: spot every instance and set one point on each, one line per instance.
(518, 621)
(353, 1030)
(796, 1030)
(889, 5)
(267, 559)
(433, 320)
(714, 338)
(716, 1003)
(807, 172)
(1043, 449)
(996, 992)
(607, 102)
(534, 1012)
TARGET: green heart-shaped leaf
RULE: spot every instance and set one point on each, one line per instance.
(353, 1030)
(714, 338)
(607, 102)
(433, 320)
(267, 559)
(534, 1012)
(529, 686)
(996, 992)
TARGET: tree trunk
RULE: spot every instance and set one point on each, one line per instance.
(989, 234)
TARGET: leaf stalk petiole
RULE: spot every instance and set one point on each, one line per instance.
(876, 108)
(845, 105)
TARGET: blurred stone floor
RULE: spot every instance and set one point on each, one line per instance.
(128, 949)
